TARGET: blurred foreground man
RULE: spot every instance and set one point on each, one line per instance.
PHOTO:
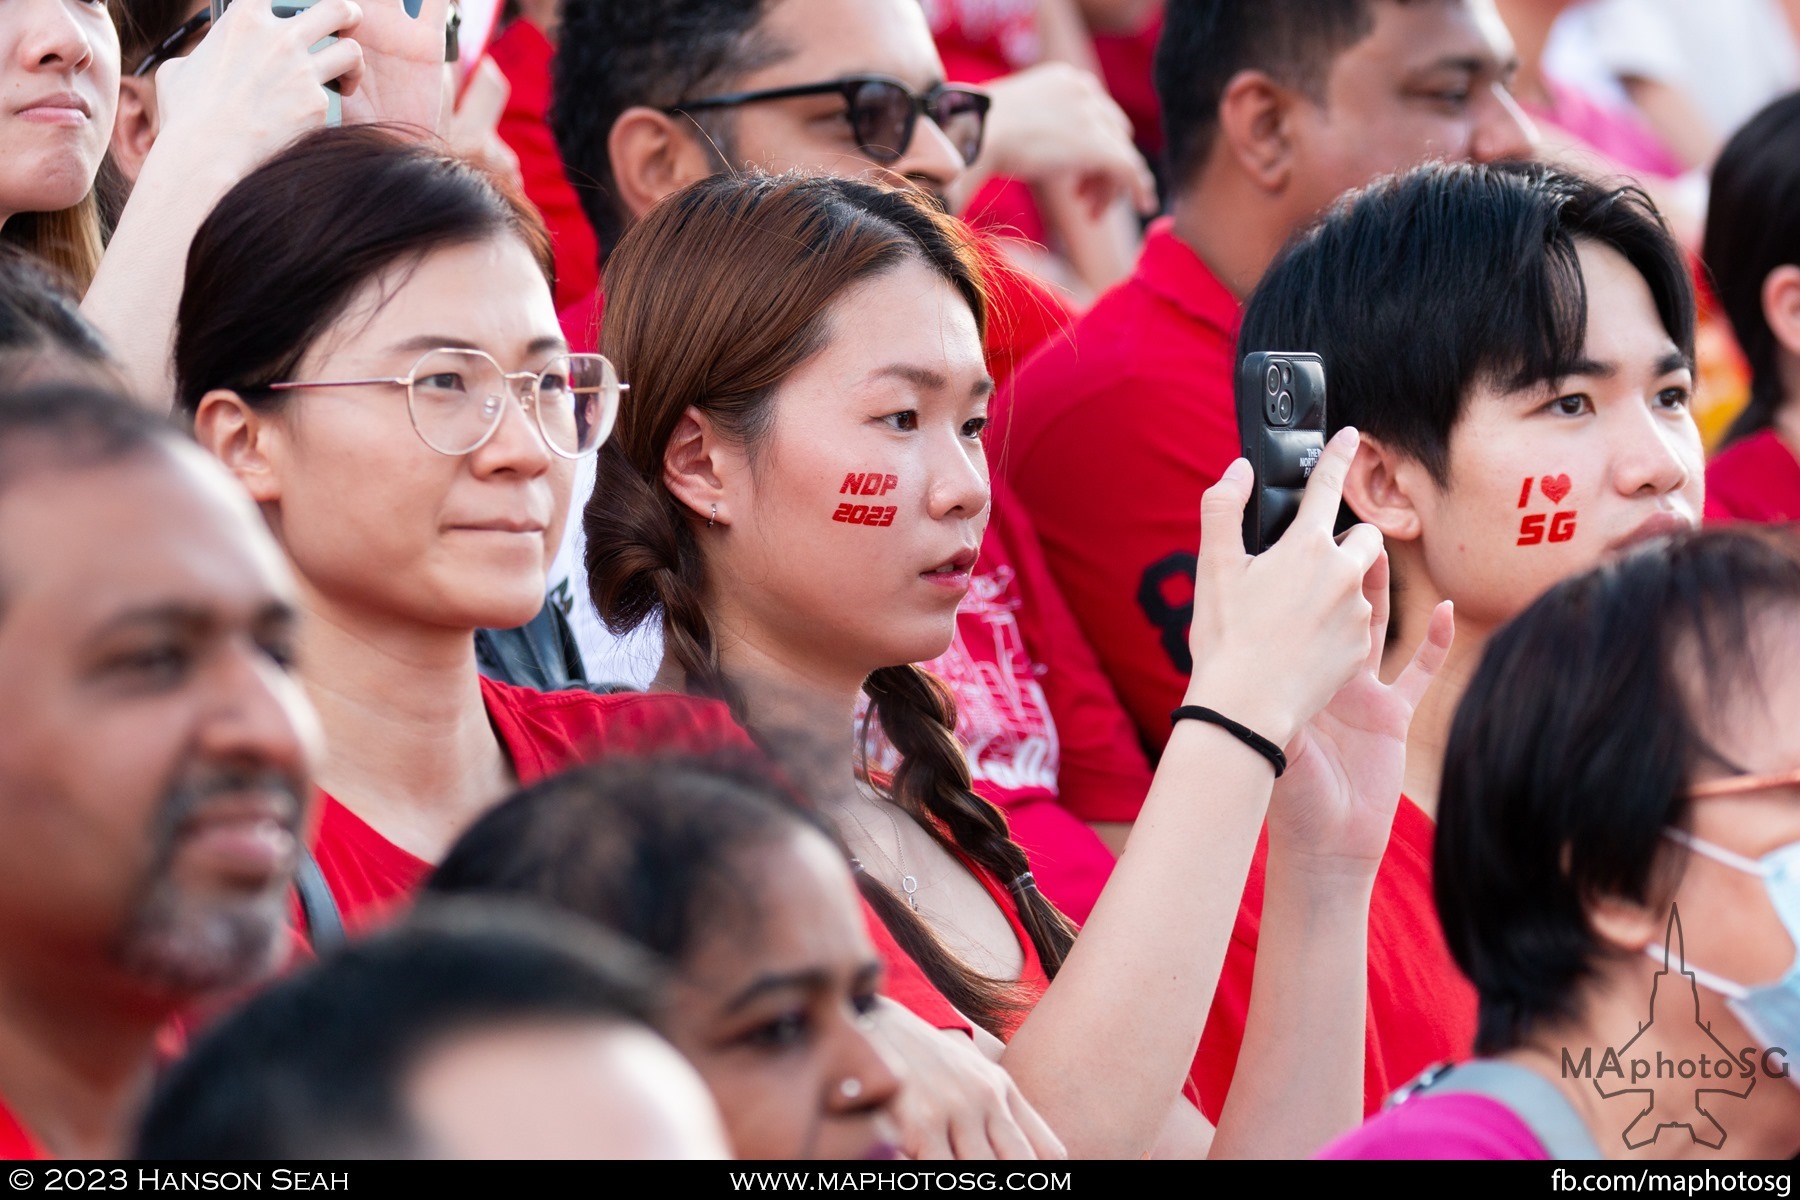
(154, 757)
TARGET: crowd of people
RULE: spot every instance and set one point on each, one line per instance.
(609, 578)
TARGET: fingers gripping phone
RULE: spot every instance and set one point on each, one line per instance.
(1281, 426)
(334, 103)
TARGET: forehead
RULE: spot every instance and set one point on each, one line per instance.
(826, 39)
(1410, 36)
(799, 914)
(158, 527)
(489, 293)
(906, 317)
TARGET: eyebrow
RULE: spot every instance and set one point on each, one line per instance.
(806, 981)
(1590, 368)
(191, 618)
(929, 380)
(435, 341)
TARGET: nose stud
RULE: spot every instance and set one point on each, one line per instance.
(850, 1088)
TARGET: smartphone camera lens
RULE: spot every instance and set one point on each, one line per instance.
(1273, 381)
(1284, 407)
(1287, 375)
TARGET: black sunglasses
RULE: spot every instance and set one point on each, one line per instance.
(883, 112)
(166, 48)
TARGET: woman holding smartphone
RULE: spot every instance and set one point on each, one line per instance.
(799, 498)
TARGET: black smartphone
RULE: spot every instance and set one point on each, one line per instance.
(1281, 427)
(334, 103)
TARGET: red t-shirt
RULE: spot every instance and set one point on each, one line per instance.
(16, 1141)
(523, 54)
(542, 733)
(1421, 1010)
(1110, 436)
(1756, 479)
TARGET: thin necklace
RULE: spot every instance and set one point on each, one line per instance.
(908, 883)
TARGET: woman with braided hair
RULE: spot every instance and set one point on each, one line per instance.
(797, 489)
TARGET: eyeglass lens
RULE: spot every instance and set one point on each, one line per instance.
(884, 115)
(458, 397)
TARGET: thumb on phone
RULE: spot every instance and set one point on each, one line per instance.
(1222, 515)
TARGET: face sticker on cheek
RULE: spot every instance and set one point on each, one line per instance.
(1540, 528)
(860, 512)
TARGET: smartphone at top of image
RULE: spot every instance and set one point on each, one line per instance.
(1281, 429)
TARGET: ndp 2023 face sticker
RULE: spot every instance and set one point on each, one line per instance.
(861, 484)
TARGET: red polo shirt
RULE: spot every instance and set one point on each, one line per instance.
(1421, 1008)
(1756, 479)
(1109, 436)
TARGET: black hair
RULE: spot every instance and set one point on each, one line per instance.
(652, 849)
(1204, 43)
(1425, 284)
(317, 1065)
(1572, 752)
(612, 55)
(40, 322)
(294, 241)
(1752, 227)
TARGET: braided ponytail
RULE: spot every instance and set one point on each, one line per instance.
(918, 715)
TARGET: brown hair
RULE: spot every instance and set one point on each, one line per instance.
(66, 241)
(678, 287)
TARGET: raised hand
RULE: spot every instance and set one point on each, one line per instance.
(954, 1102)
(404, 80)
(252, 85)
(1277, 634)
(1335, 805)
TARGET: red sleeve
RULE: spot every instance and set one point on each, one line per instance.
(905, 983)
(1104, 775)
(16, 1142)
(523, 55)
(1024, 312)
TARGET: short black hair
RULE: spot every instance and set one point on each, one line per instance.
(1427, 283)
(317, 1065)
(1205, 43)
(650, 848)
(1752, 227)
(1573, 749)
(612, 55)
(39, 317)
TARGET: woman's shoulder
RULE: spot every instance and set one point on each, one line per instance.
(576, 724)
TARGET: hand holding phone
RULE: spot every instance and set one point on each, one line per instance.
(1281, 427)
(334, 102)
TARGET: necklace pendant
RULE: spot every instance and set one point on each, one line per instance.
(909, 885)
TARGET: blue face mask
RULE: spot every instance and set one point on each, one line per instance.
(1770, 1011)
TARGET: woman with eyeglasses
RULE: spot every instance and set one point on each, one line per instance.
(1618, 869)
(799, 499)
(367, 339)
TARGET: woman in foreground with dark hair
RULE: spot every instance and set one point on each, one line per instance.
(367, 340)
(749, 901)
(1619, 844)
(799, 498)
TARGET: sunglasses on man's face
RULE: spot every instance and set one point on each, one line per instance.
(883, 112)
(167, 48)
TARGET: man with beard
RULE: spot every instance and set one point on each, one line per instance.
(153, 757)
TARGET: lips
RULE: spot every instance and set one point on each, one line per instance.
(57, 105)
(959, 564)
(1658, 524)
(247, 837)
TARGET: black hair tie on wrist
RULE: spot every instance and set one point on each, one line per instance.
(1243, 733)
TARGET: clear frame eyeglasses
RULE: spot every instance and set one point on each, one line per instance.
(457, 398)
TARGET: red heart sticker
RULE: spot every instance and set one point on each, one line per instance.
(1555, 487)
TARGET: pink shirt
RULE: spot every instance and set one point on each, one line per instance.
(1454, 1125)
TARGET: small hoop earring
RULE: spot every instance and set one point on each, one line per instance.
(713, 517)
(851, 1088)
